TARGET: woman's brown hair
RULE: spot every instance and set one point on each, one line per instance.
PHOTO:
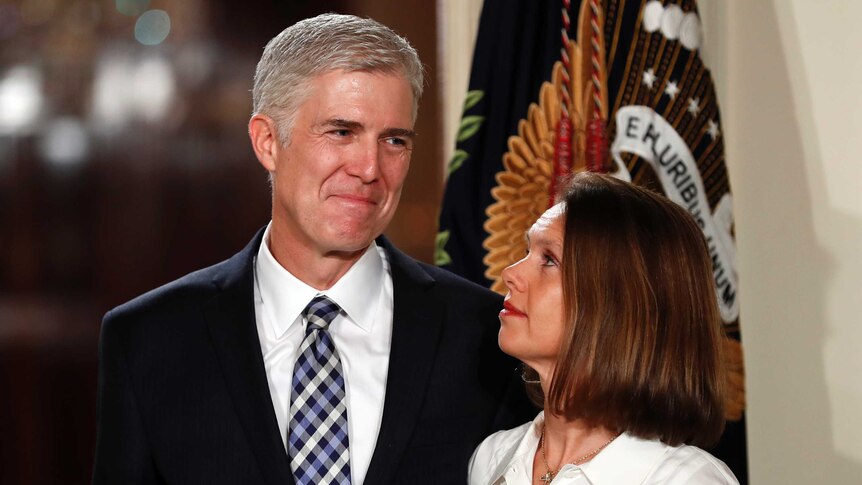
(641, 352)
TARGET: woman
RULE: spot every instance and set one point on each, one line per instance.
(614, 312)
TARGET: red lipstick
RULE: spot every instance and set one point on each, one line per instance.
(509, 310)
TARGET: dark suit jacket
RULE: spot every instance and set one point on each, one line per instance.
(183, 395)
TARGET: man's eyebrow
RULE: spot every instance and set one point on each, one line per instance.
(401, 132)
(341, 123)
(355, 125)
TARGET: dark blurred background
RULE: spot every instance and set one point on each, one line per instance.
(125, 163)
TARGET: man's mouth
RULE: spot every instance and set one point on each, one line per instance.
(354, 198)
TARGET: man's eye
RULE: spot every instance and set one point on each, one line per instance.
(398, 142)
(340, 132)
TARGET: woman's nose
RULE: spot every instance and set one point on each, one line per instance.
(511, 276)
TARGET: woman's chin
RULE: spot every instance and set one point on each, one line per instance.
(506, 343)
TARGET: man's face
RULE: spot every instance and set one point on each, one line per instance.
(337, 183)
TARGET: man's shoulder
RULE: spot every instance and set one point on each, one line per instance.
(443, 280)
(458, 283)
(185, 292)
(190, 286)
(448, 286)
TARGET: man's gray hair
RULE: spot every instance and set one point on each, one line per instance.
(321, 44)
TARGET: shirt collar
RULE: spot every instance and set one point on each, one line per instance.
(358, 291)
(638, 455)
(523, 453)
(285, 296)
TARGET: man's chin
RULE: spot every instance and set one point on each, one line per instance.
(353, 235)
(349, 244)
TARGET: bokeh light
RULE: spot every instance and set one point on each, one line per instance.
(111, 110)
(20, 99)
(131, 88)
(154, 89)
(132, 8)
(65, 143)
(153, 27)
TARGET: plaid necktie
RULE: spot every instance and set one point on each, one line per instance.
(317, 440)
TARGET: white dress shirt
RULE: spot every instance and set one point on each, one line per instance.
(362, 333)
(506, 457)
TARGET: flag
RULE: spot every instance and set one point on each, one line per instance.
(617, 86)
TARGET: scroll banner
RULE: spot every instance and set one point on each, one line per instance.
(645, 133)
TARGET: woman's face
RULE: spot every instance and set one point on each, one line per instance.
(532, 318)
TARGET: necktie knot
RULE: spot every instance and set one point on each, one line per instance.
(320, 312)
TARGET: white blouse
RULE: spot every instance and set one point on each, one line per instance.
(506, 457)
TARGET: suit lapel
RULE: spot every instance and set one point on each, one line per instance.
(416, 325)
(416, 322)
(231, 321)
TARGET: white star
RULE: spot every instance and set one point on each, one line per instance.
(712, 130)
(649, 78)
(694, 106)
(672, 89)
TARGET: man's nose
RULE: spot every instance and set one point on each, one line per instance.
(365, 162)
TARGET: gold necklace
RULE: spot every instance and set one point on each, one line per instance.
(549, 475)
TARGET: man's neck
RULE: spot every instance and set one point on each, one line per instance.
(320, 271)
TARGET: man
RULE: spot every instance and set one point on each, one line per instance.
(319, 353)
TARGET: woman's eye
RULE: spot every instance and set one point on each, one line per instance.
(548, 260)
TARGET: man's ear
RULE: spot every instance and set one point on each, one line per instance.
(264, 140)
